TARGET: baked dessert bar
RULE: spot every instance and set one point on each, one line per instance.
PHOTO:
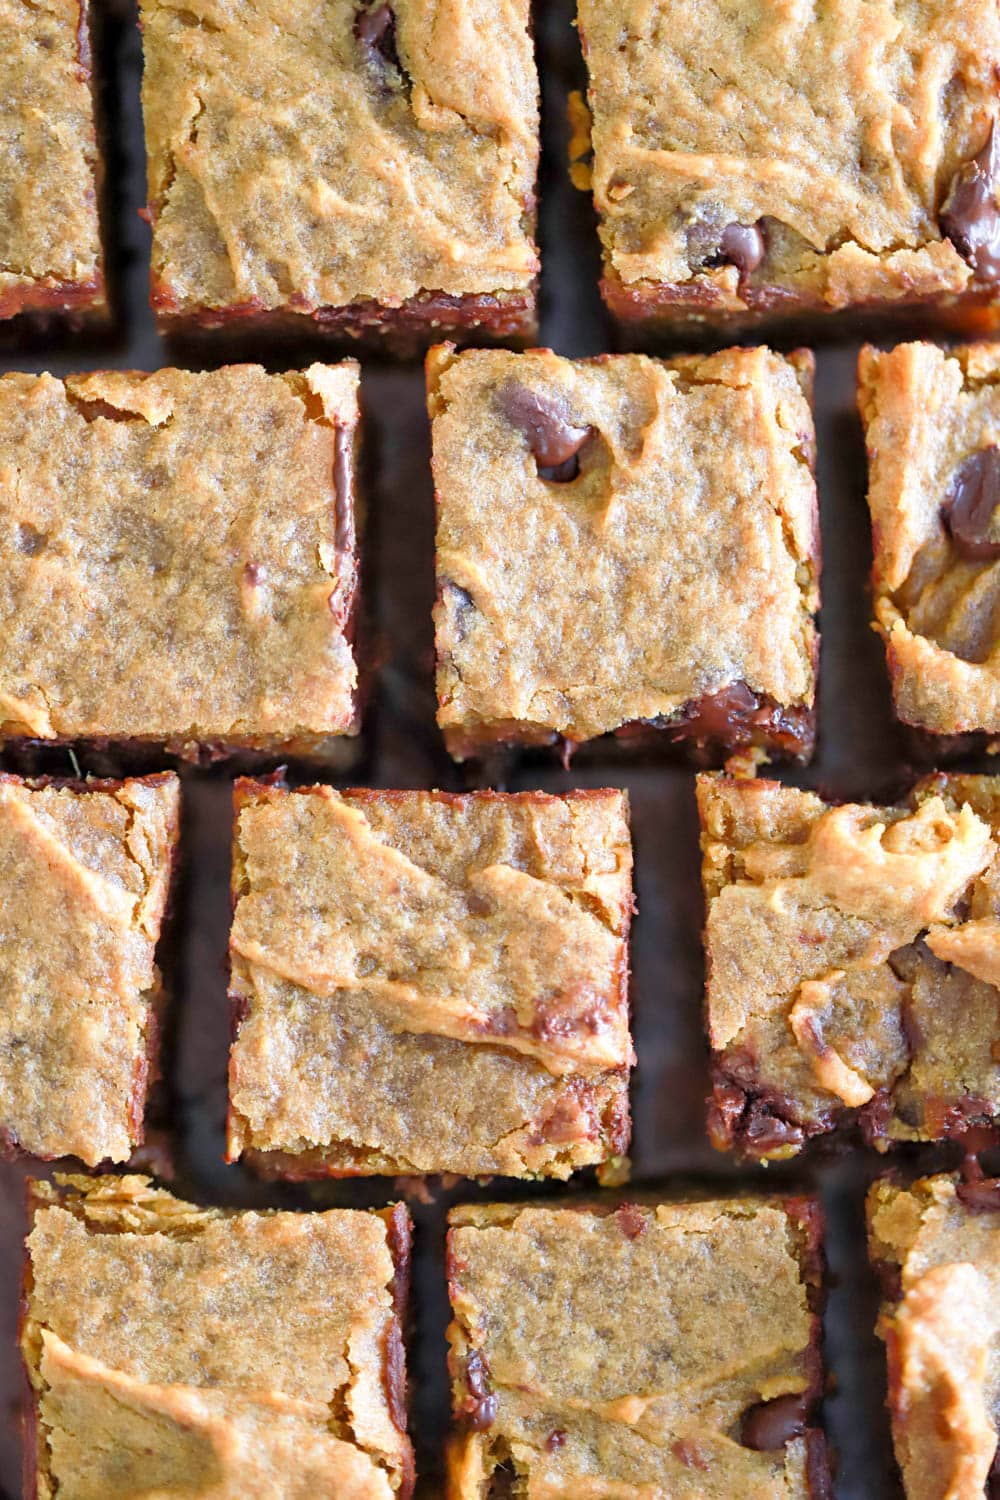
(50, 244)
(932, 426)
(937, 1247)
(348, 166)
(606, 562)
(755, 162)
(183, 1350)
(853, 962)
(85, 872)
(177, 558)
(425, 982)
(669, 1349)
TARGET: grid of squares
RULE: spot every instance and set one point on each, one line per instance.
(776, 1442)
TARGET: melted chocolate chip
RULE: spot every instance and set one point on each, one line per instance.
(969, 215)
(742, 246)
(376, 31)
(29, 540)
(971, 503)
(631, 1220)
(982, 1196)
(480, 1406)
(771, 1424)
(737, 715)
(554, 440)
(764, 1131)
(555, 1440)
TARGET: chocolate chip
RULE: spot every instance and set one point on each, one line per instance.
(29, 540)
(376, 30)
(980, 1197)
(721, 715)
(969, 215)
(771, 1424)
(970, 505)
(555, 1440)
(254, 573)
(742, 246)
(480, 1406)
(553, 438)
(764, 1131)
(631, 1220)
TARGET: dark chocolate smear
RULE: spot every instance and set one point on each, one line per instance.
(553, 438)
(970, 505)
(772, 1424)
(969, 215)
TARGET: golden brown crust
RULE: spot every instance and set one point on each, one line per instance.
(177, 562)
(569, 608)
(849, 953)
(566, 1367)
(86, 871)
(214, 1352)
(434, 983)
(940, 1261)
(837, 137)
(926, 411)
(50, 249)
(409, 169)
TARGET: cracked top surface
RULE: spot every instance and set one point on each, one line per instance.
(926, 411)
(681, 559)
(211, 1353)
(175, 559)
(943, 1333)
(292, 164)
(461, 960)
(640, 1338)
(85, 876)
(852, 954)
(836, 126)
(48, 149)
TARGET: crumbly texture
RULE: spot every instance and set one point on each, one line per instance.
(295, 167)
(177, 556)
(628, 1353)
(942, 1330)
(430, 983)
(836, 128)
(212, 1353)
(927, 411)
(680, 562)
(85, 875)
(852, 961)
(50, 249)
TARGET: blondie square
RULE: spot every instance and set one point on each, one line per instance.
(625, 545)
(50, 244)
(342, 165)
(178, 562)
(756, 161)
(179, 1350)
(853, 960)
(932, 427)
(669, 1349)
(425, 982)
(85, 873)
(936, 1245)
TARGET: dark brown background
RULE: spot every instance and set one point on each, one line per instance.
(860, 755)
